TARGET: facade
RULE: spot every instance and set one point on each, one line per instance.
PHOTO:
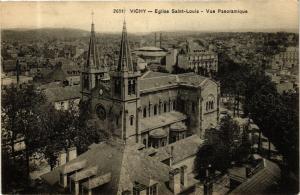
(284, 70)
(171, 59)
(198, 59)
(65, 74)
(63, 97)
(154, 57)
(157, 122)
(286, 60)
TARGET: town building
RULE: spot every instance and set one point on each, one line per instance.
(284, 70)
(63, 97)
(153, 56)
(157, 122)
(286, 60)
(258, 176)
(197, 58)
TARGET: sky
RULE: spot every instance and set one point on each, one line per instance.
(262, 15)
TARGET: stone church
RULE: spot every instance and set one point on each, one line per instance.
(157, 121)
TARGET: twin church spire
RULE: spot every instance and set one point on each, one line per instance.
(125, 60)
(93, 59)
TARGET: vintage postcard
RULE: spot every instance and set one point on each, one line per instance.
(150, 98)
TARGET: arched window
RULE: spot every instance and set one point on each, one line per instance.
(131, 120)
(193, 107)
(117, 121)
(165, 107)
(155, 109)
(210, 102)
(149, 110)
(145, 142)
(145, 112)
(159, 107)
(174, 104)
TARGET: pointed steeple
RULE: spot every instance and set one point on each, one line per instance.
(93, 56)
(125, 59)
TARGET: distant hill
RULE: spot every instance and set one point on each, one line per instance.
(43, 33)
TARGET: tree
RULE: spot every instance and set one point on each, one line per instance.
(20, 117)
(67, 128)
(219, 154)
(275, 114)
(229, 131)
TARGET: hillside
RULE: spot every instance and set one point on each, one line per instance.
(43, 33)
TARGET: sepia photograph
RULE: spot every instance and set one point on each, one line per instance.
(150, 97)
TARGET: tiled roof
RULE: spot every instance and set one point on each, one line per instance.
(150, 74)
(182, 149)
(97, 181)
(74, 166)
(191, 79)
(261, 181)
(153, 81)
(124, 162)
(158, 133)
(88, 172)
(179, 126)
(149, 49)
(161, 120)
(55, 94)
(156, 80)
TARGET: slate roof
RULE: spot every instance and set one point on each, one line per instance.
(191, 79)
(150, 74)
(260, 182)
(159, 133)
(56, 94)
(156, 80)
(149, 48)
(164, 119)
(124, 163)
(182, 149)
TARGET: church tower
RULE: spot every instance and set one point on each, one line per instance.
(94, 71)
(125, 91)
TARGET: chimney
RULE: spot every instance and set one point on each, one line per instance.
(185, 175)
(62, 158)
(171, 158)
(174, 181)
(208, 184)
(72, 153)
